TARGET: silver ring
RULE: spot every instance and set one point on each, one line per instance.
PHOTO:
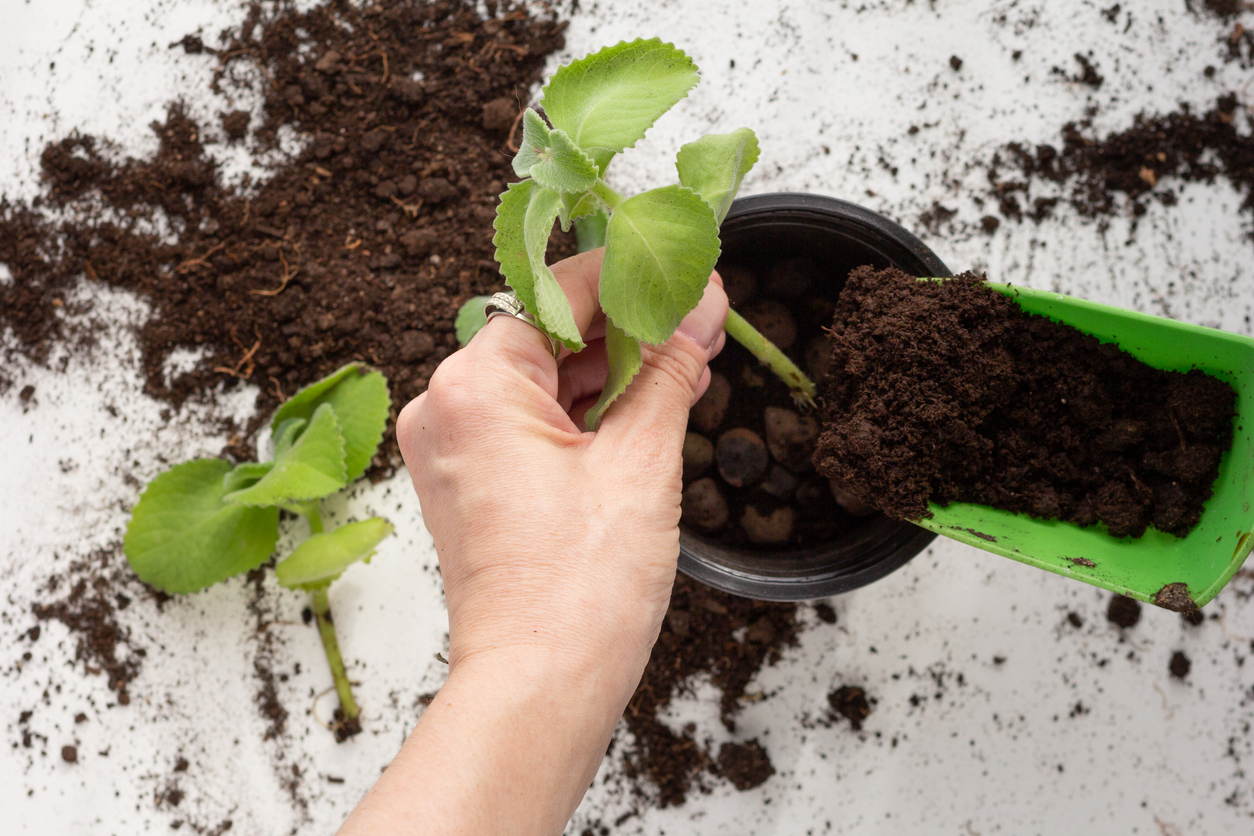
(502, 304)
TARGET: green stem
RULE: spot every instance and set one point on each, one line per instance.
(326, 629)
(738, 328)
(315, 518)
(611, 197)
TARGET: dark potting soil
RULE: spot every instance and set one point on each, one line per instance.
(745, 765)
(1179, 665)
(850, 702)
(1100, 176)
(948, 392)
(751, 483)
(1123, 611)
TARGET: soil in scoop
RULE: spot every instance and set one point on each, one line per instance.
(948, 392)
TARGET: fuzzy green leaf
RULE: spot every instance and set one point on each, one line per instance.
(285, 435)
(359, 396)
(714, 166)
(660, 248)
(563, 167)
(524, 221)
(470, 318)
(607, 101)
(576, 206)
(590, 231)
(322, 558)
(623, 352)
(182, 537)
(535, 140)
(313, 467)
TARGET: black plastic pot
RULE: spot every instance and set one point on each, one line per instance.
(840, 236)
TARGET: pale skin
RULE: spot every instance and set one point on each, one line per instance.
(557, 549)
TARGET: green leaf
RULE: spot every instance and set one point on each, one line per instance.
(243, 475)
(323, 557)
(660, 248)
(623, 352)
(535, 140)
(359, 396)
(470, 318)
(524, 221)
(311, 468)
(552, 158)
(606, 101)
(576, 206)
(714, 166)
(182, 537)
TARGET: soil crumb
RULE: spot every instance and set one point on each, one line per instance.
(1179, 665)
(850, 702)
(1123, 611)
(746, 765)
(945, 391)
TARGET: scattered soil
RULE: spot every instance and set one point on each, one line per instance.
(69, 754)
(948, 392)
(706, 633)
(90, 611)
(1180, 665)
(1123, 611)
(1102, 176)
(850, 702)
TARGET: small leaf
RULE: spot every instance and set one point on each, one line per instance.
(660, 248)
(715, 165)
(359, 396)
(243, 475)
(563, 167)
(606, 101)
(623, 352)
(182, 537)
(535, 140)
(524, 221)
(311, 468)
(323, 557)
(576, 206)
(470, 318)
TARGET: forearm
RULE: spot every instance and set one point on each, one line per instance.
(508, 746)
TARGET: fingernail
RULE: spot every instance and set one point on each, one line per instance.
(704, 323)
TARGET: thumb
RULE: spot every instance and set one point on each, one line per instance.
(652, 415)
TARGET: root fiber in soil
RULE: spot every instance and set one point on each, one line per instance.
(948, 392)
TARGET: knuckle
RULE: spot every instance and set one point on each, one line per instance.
(675, 363)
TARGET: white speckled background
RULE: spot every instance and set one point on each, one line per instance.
(1081, 730)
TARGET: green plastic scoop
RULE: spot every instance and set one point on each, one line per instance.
(1177, 573)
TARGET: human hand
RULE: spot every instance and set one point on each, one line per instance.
(557, 549)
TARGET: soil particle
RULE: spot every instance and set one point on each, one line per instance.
(1175, 596)
(948, 392)
(1075, 620)
(850, 702)
(1123, 611)
(746, 765)
(955, 62)
(1179, 665)
(69, 754)
(825, 613)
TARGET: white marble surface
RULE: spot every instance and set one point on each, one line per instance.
(987, 748)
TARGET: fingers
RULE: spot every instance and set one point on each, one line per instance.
(651, 416)
(507, 342)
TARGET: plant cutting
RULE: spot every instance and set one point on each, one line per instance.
(204, 521)
(660, 245)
